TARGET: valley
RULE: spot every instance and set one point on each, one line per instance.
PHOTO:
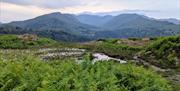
(120, 63)
(67, 52)
(86, 45)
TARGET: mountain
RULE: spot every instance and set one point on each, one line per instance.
(134, 25)
(171, 20)
(8, 29)
(58, 25)
(58, 35)
(133, 21)
(55, 21)
(93, 19)
(79, 28)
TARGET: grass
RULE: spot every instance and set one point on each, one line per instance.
(111, 48)
(15, 42)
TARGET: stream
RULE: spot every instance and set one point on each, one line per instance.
(102, 57)
(61, 53)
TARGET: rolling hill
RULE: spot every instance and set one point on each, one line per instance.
(134, 25)
(56, 21)
(79, 28)
(57, 26)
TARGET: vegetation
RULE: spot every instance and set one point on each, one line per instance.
(22, 70)
(70, 28)
(27, 73)
(164, 52)
(59, 35)
(112, 48)
(23, 41)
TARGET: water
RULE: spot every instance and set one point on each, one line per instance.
(103, 57)
(60, 53)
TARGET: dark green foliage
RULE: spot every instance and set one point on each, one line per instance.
(111, 48)
(61, 35)
(121, 51)
(153, 38)
(14, 42)
(134, 39)
(165, 52)
(8, 29)
(31, 74)
(55, 34)
(108, 40)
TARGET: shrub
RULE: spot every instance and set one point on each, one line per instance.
(134, 39)
(31, 74)
(114, 50)
(165, 50)
(14, 42)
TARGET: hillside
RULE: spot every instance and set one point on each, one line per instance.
(52, 21)
(72, 28)
(93, 19)
(23, 41)
(9, 29)
(59, 35)
(57, 23)
(133, 25)
(164, 52)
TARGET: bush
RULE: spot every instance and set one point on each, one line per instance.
(113, 50)
(31, 74)
(14, 42)
(166, 51)
(110, 40)
(134, 39)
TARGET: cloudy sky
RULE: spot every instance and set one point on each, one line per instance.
(14, 10)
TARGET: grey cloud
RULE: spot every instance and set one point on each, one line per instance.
(54, 4)
(122, 11)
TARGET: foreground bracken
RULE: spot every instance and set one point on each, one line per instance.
(28, 73)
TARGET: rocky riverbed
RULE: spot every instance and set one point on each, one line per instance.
(103, 57)
(62, 53)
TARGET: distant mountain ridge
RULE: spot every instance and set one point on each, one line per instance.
(69, 27)
(134, 25)
(172, 20)
(93, 19)
(134, 21)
